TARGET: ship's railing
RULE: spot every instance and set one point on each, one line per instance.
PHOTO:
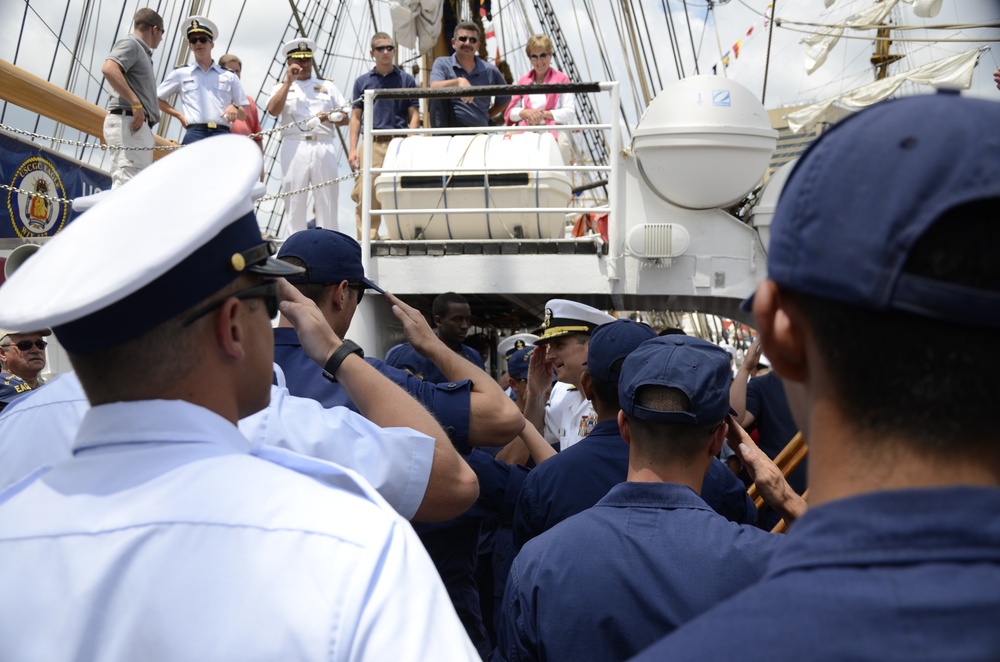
(614, 147)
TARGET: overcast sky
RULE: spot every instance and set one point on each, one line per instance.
(263, 23)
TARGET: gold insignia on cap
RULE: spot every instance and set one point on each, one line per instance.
(303, 46)
(194, 25)
(518, 344)
(238, 262)
(548, 317)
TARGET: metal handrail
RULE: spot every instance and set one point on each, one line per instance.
(613, 207)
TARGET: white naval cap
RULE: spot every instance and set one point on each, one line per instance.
(563, 316)
(197, 25)
(169, 238)
(514, 342)
(298, 48)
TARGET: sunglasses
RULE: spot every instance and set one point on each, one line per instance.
(198, 40)
(268, 292)
(471, 40)
(383, 49)
(25, 345)
(539, 56)
(360, 287)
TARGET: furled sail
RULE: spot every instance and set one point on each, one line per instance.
(953, 72)
(817, 46)
(416, 22)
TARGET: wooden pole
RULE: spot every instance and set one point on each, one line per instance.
(37, 95)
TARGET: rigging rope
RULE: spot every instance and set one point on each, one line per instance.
(687, 17)
(767, 59)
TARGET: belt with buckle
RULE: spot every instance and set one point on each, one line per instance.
(120, 111)
(211, 126)
(384, 139)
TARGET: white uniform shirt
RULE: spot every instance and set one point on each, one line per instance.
(569, 416)
(308, 98)
(164, 538)
(39, 431)
(204, 94)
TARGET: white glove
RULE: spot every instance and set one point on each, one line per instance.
(313, 123)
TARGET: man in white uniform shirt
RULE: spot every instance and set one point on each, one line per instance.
(212, 97)
(168, 535)
(310, 153)
(565, 416)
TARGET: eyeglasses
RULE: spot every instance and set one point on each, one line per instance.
(157, 27)
(471, 40)
(539, 56)
(25, 345)
(268, 292)
(198, 40)
(383, 49)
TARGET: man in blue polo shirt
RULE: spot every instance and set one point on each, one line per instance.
(651, 554)
(388, 114)
(465, 69)
(878, 303)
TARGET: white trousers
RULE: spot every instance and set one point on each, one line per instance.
(126, 163)
(304, 163)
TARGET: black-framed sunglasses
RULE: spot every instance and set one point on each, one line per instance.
(25, 345)
(539, 56)
(360, 287)
(269, 292)
(471, 40)
(199, 40)
(383, 49)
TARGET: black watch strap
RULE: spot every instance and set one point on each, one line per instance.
(333, 364)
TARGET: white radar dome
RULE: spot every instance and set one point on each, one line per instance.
(704, 142)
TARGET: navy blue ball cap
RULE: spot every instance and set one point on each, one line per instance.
(700, 369)
(612, 341)
(330, 257)
(147, 251)
(864, 193)
(517, 363)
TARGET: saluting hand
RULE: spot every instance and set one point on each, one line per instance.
(318, 340)
(415, 327)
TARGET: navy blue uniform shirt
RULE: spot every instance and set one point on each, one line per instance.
(448, 402)
(405, 357)
(581, 475)
(908, 575)
(453, 545)
(607, 582)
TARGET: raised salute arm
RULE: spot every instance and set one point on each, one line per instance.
(493, 417)
(453, 486)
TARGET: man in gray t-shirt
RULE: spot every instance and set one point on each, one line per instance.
(133, 109)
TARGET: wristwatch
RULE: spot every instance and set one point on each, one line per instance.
(347, 348)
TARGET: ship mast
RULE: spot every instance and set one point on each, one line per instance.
(881, 57)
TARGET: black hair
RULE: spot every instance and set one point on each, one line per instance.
(444, 301)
